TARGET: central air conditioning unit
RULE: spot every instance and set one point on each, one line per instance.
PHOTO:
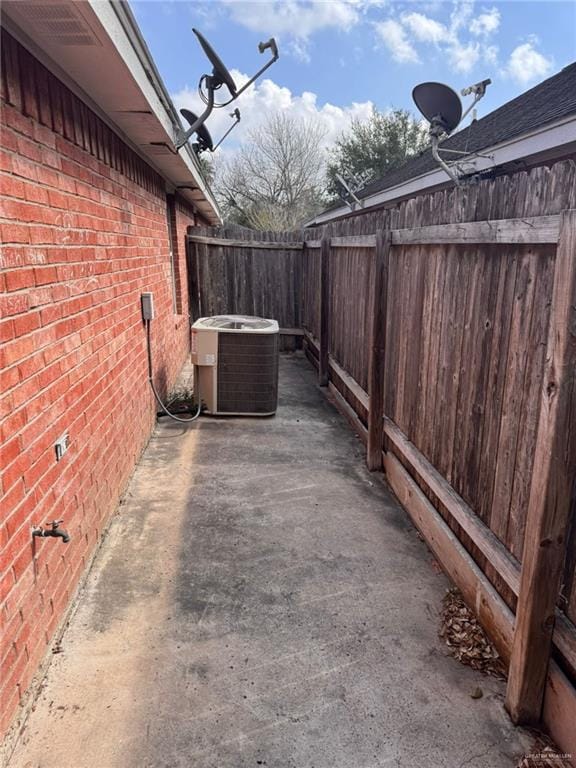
(236, 361)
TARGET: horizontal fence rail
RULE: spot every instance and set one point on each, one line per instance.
(535, 229)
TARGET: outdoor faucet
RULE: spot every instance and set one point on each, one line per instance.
(53, 531)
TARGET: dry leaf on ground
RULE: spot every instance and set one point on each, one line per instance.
(466, 639)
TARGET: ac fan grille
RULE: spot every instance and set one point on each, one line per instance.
(247, 373)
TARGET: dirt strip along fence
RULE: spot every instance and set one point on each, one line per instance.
(233, 270)
(445, 328)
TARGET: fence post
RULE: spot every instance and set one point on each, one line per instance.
(323, 370)
(550, 494)
(377, 352)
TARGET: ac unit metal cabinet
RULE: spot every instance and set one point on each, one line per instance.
(236, 361)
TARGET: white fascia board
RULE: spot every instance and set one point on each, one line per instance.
(545, 139)
(109, 19)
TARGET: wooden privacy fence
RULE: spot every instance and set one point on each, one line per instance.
(233, 270)
(445, 330)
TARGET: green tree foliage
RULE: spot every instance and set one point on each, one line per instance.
(376, 146)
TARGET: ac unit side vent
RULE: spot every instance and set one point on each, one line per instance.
(247, 372)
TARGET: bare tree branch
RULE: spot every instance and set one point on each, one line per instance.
(275, 181)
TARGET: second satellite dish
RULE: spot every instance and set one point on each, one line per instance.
(438, 102)
(204, 140)
(442, 107)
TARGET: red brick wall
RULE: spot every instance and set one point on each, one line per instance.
(84, 229)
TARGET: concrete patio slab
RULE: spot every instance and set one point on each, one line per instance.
(262, 600)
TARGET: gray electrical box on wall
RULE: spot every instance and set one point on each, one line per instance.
(147, 299)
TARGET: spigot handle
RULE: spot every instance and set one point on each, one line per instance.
(55, 524)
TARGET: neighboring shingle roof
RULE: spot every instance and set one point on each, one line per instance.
(547, 102)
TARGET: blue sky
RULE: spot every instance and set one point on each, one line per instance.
(340, 57)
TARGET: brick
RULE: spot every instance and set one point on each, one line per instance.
(39, 468)
(47, 176)
(44, 135)
(22, 166)
(17, 279)
(50, 314)
(12, 186)
(16, 350)
(16, 673)
(10, 700)
(13, 118)
(31, 366)
(10, 378)
(41, 235)
(29, 148)
(50, 158)
(18, 542)
(15, 233)
(27, 323)
(26, 392)
(6, 331)
(6, 161)
(36, 194)
(13, 305)
(45, 275)
(23, 561)
(57, 199)
(6, 584)
(9, 451)
(15, 471)
(9, 660)
(12, 424)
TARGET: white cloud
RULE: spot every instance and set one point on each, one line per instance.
(486, 23)
(451, 40)
(393, 35)
(464, 57)
(297, 20)
(424, 28)
(491, 55)
(293, 17)
(526, 64)
(460, 16)
(263, 99)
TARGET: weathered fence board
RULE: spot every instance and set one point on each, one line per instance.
(550, 493)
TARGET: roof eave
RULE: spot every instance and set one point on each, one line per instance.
(117, 79)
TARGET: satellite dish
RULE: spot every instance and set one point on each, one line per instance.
(439, 104)
(208, 85)
(204, 139)
(442, 107)
(220, 72)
